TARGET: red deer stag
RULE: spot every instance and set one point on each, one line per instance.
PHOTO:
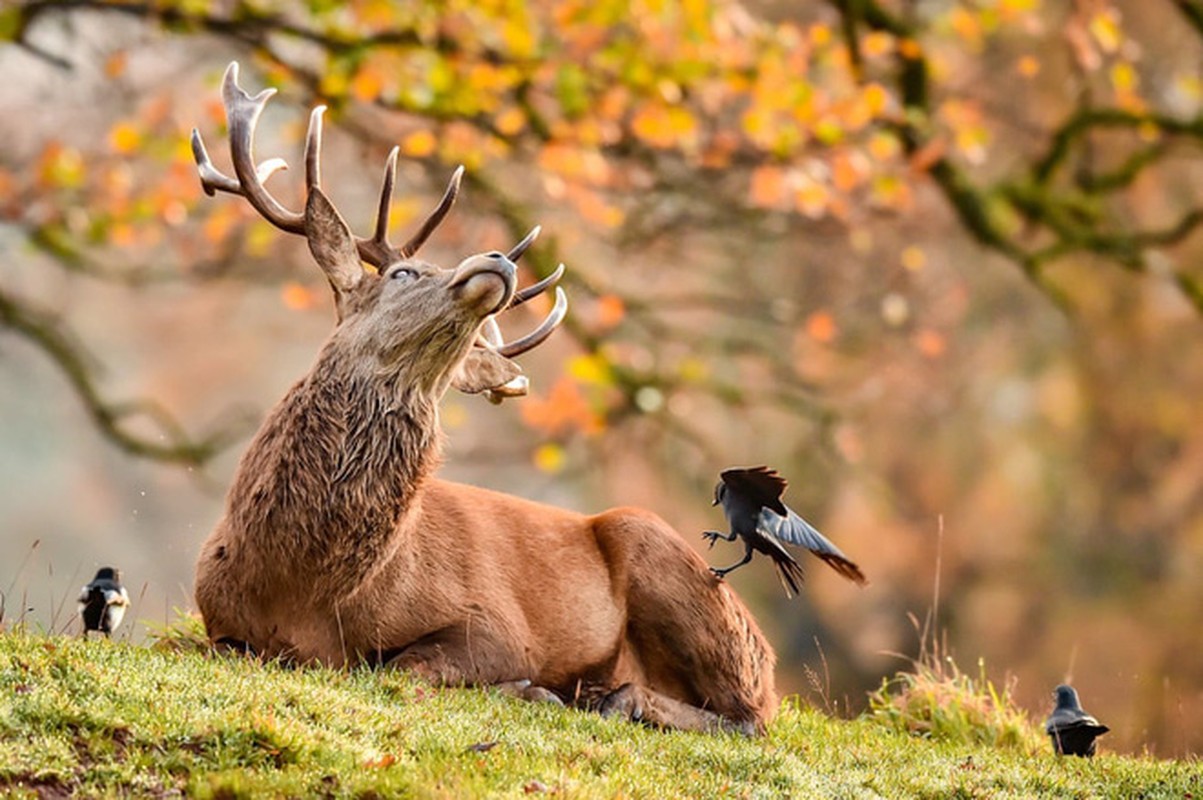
(338, 546)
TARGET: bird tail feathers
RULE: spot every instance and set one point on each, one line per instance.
(790, 573)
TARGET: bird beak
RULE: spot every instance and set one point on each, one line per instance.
(714, 502)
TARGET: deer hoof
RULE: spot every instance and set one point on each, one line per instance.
(524, 690)
(623, 701)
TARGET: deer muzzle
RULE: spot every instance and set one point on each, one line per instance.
(486, 282)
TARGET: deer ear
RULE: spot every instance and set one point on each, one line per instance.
(331, 243)
(482, 370)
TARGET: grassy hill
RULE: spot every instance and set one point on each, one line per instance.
(98, 718)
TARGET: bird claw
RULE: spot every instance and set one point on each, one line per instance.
(712, 536)
(718, 573)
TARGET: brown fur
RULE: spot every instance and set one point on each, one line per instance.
(337, 544)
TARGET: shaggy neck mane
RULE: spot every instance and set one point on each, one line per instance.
(336, 468)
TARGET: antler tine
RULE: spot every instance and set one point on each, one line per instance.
(377, 251)
(517, 250)
(214, 180)
(428, 226)
(536, 289)
(313, 150)
(536, 337)
(242, 114)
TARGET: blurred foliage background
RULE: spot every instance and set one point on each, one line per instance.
(935, 260)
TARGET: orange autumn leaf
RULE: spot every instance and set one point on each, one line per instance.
(928, 155)
(610, 311)
(930, 343)
(768, 186)
(664, 126)
(849, 169)
(297, 297)
(419, 144)
(367, 84)
(1028, 66)
(114, 65)
(564, 410)
(386, 760)
(821, 327)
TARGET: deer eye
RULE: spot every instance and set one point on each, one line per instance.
(403, 274)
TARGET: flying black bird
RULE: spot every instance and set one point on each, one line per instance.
(751, 499)
(102, 602)
(1072, 730)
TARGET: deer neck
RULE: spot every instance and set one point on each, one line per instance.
(334, 475)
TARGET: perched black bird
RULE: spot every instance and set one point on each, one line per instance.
(102, 602)
(1072, 730)
(751, 499)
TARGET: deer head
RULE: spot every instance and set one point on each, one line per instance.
(438, 324)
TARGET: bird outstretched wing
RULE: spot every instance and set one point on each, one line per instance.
(791, 528)
(761, 485)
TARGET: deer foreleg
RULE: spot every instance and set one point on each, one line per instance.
(640, 704)
(451, 657)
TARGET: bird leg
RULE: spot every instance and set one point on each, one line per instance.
(722, 573)
(714, 536)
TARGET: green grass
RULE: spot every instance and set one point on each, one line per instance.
(97, 718)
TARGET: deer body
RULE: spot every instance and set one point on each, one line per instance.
(338, 545)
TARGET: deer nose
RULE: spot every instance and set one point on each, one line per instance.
(501, 260)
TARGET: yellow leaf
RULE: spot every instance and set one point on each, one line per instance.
(548, 457)
(1123, 77)
(122, 234)
(811, 198)
(884, 146)
(913, 258)
(876, 98)
(510, 121)
(967, 26)
(877, 44)
(333, 84)
(693, 369)
(590, 369)
(61, 167)
(1104, 27)
(124, 138)
(664, 126)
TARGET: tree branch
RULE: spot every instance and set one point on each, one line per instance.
(45, 332)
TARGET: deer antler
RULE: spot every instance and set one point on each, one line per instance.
(243, 112)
